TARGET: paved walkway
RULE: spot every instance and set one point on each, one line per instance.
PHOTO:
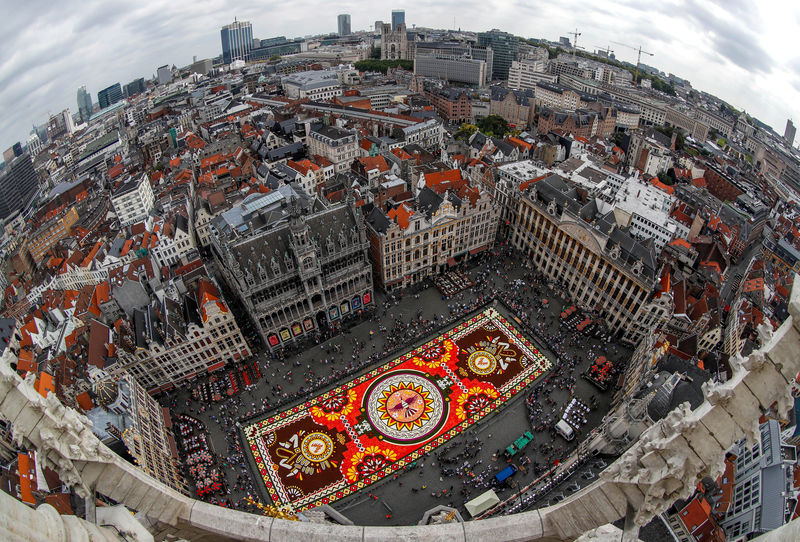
(442, 478)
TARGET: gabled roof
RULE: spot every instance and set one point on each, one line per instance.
(401, 215)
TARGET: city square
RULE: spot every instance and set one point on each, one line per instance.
(362, 431)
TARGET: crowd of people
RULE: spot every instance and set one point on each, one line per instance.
(394, 330)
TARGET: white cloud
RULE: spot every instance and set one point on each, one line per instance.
(742, 51)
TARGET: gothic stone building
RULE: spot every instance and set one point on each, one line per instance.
(301, 277)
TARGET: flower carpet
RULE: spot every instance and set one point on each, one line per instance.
(372, 426)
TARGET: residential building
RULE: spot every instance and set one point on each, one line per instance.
(175, 241)
(45, 237)
(84, 104)
(133, 200)
(645, 209)
(504, 47)
(123, 412)
(526, 73)
(447, 222)
(237, 40)
(344, 24)
(764, 493)
(579, 123)
(336, 144)
(516, 106)
(451, 103)
(602, 266)
(302, 276)
(550, 95)
(790, 132)
(312, 85)
(109, 95)
(398, 18)
(19, 183)
(178, 337)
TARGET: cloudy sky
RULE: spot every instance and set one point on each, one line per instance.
(743, 51)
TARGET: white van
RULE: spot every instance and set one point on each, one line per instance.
(565, 430)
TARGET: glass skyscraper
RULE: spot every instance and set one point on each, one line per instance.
(237, 40)
(109, 95)
(344, 24)
(84, 104)
(398, 16)
(18, 184)
(504, 47)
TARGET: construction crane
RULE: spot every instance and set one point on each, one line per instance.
(608, 50)
(575, 41)
(638, 58)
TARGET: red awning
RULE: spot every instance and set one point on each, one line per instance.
(451, 262)
(216, 366)
(479, 249)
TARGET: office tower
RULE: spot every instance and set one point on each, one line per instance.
(237, 40)
(109, 95)
(398, 16)
(344, 24)
(18, 184)
(84, 104)
(164, 75)
(136, 86)
(378, 25)
(504, 47)
(789, 133)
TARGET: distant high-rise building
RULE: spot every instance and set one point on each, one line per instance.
(504, 47)
(60, 124)
(398, 17)
(164, 75)
(790, 132)
(109, 95)
(84, 104)
(34, 144)
(378, 25)
(18, 184)
(136, 86)
(237, 40)
(344, 24)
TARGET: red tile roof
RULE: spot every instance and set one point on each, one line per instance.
(401, 215)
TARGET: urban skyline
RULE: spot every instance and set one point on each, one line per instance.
(739, 52)
(466, 277)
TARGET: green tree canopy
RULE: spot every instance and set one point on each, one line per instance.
(465, 131)
(382, 66)
(493, 125)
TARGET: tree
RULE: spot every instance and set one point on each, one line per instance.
(493, 125)
(665, 178)
(382, 66)
(274, 58)
(465, 131)
(376, 53)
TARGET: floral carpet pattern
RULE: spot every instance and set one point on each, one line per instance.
(374, 425)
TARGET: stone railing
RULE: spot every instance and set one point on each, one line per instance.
(666, 463)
